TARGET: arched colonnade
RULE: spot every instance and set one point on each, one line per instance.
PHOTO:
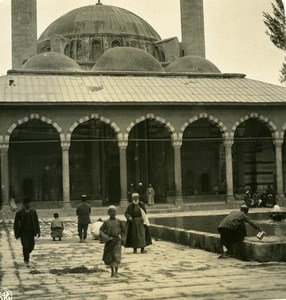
(141, 141)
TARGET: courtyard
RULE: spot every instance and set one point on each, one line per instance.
(73, 270)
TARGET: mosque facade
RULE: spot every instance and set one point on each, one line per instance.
(100, 103)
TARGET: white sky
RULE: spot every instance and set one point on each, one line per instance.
(234, 31)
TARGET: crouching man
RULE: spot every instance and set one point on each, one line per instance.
(232, 230)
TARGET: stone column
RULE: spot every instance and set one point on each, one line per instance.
(229, 172)
(279, 168)
(5, 176)
(178, 171)
(123, 173)
(66, 174)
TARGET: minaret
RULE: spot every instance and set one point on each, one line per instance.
(192, 22)
(24, 31)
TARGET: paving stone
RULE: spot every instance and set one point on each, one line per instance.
(167, 271)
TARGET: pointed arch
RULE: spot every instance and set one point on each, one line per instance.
(270, 125)
(31, 117)
(151, 116)
(210, 118)
(107, 121)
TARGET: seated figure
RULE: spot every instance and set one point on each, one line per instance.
(277, 214)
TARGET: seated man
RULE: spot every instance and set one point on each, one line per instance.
(94, 229)
(277, 214)
(247, 199)
(232, 229)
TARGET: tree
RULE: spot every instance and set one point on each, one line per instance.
(276, 30)
(276, 25)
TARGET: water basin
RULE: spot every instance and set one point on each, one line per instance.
(200, 231)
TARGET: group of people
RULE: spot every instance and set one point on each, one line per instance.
(113, 232)
(265, 199)
(145, 197)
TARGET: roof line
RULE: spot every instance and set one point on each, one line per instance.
(125, 73)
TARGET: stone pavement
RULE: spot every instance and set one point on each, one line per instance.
(73, 270)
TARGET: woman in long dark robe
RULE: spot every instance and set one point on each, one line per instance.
(138, 234)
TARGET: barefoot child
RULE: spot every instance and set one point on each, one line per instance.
(57, 227)
(111, 232)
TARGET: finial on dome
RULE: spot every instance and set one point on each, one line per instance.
(98, 3)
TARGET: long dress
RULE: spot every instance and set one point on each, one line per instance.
(111, 232)
(138, 234)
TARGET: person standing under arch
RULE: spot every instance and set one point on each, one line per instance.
(150, 195)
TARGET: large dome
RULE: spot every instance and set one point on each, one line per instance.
(51, 61)
(127, 59)
(100, 19)
(192, 63)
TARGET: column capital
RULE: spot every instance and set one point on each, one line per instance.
(122, 145)
(228, 142)
(65, 145)
(177, 144)
(278, 142)
(4, 146)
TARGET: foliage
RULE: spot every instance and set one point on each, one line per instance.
(283, 73)
(277, 30)
(276, 25)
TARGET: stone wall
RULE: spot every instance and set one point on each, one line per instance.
(248, 250)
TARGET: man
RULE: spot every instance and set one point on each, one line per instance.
(232, 229)
(83, 212)
(95, 227)
(138, 235)
(141, 192)
(247, 199)
(150, 195)
(270, 196)
(26, 227)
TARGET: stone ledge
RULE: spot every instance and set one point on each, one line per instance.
(248, 250)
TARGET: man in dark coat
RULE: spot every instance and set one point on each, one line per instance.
(83, 212)
(26, 227)
(138, 234)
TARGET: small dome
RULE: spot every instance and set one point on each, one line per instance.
(51, 61)
(127, 59)
(192, 63)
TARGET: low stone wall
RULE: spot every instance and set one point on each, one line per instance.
(248, 250)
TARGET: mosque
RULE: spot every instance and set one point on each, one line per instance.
(99, 102)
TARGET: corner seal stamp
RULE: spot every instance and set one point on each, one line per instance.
(5, 294)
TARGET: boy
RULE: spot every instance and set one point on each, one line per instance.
(111, 232)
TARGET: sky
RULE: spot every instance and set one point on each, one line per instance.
(234, 31)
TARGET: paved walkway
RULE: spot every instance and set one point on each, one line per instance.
(72, 270)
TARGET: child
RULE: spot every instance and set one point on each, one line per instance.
(57, 227)
(111, 232)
